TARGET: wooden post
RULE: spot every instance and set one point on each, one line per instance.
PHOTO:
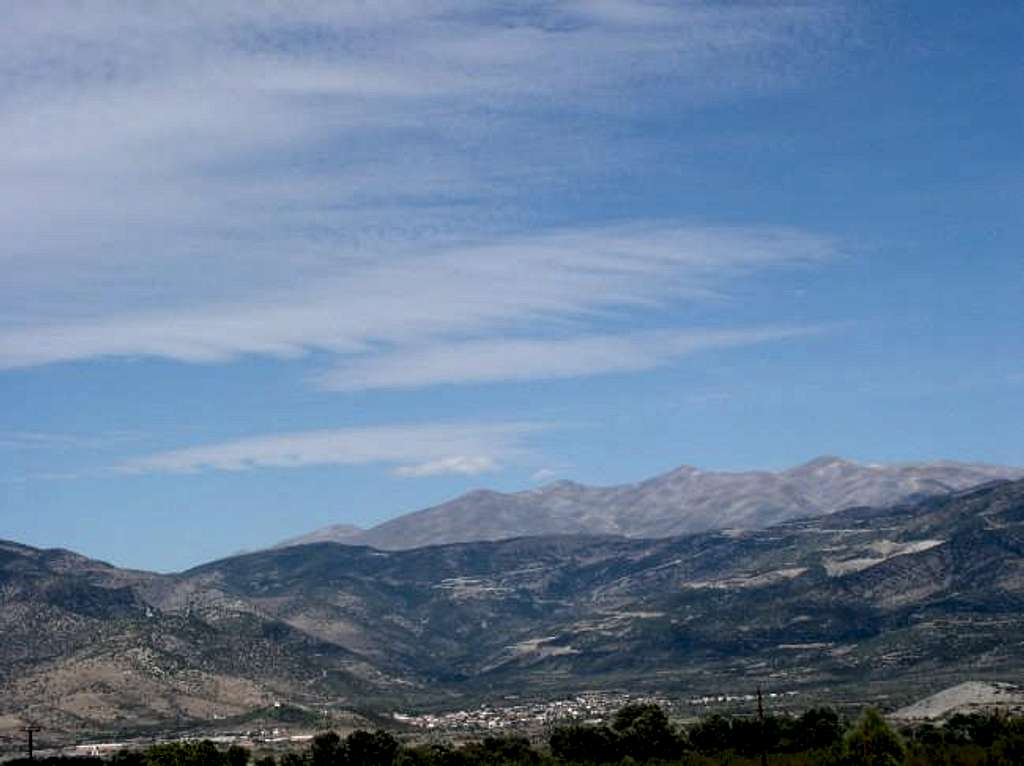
(31, 729)
(760, 718)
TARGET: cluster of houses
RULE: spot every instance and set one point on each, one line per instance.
(588, 707)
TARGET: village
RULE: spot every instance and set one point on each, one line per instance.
(590, 707)
(532, 718)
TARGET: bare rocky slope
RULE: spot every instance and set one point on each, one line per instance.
(682, 501)
(886, 604)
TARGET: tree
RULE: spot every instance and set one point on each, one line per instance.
(503, 750)
(585, 744)
(712, 734)
(872, 742)
(203, 753)
(237, 756)
(435, 754)
(1008, 749)
(127, 758)
(976, 728)
(645, 732)
(325, 750)
(364, 748)
(292, 759)
(818, 729)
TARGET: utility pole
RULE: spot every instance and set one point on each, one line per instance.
(760, 719)
(30, 729)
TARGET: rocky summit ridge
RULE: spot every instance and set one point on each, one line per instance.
(882, 604)
(681, 501)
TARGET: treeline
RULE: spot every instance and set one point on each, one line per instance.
(643, 734)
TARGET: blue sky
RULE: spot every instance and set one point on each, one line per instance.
(270, 268)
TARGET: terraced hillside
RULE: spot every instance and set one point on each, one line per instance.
(895, 601)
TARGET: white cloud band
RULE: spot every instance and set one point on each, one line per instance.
(504, 359)
(467, 290)
(198, 181)
(412, 450)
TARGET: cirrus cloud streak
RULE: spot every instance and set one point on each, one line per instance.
(410, 450)
(505, 359)
(201, 181)
(473, 289)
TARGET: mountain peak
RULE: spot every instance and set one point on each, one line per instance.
(479, 494)
(685, 469)
(825, 461)
(332, 533)
(684, 500)
(561, 485)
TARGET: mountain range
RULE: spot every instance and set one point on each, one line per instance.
(879, 604)
(682, 501)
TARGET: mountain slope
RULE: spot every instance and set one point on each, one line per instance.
(860, 596)
(334, 533)
(900, 601)
(682, 501)
(86, 648)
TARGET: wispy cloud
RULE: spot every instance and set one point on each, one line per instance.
(42, 440)
(411, 450)
(460, 291)
(199, 181)
(506, 359)
(542, 475)
(40, 476)
(465, 465)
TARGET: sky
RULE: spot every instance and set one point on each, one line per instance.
(271, 266)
